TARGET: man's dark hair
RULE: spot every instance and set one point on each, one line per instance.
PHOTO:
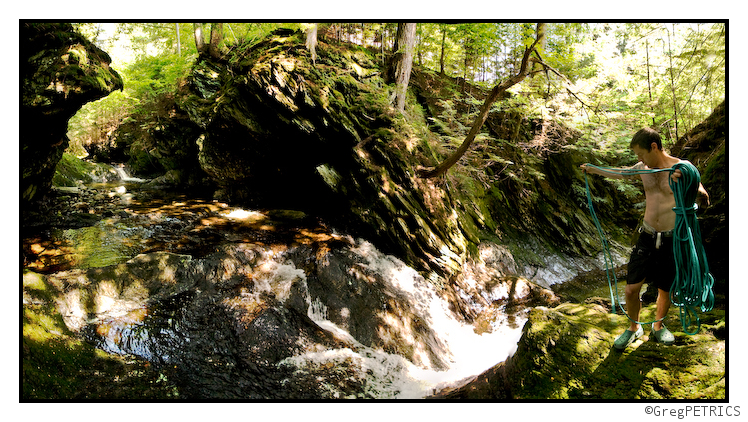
(644, 138)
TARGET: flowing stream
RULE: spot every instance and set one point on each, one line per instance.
(376, 328)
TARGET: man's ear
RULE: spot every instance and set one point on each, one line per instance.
(653, 145)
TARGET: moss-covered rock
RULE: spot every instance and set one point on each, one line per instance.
(279, 131)
(58, 365)
(72, 171)
(567, 353)
(283, 132)
(60, 71)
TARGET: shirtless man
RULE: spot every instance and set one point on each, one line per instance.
(652, 259)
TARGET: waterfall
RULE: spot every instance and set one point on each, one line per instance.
(391, 376)
(123, 176)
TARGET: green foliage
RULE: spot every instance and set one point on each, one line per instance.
(622, 76)
(71, 170)
(151, 77)
(97, 119)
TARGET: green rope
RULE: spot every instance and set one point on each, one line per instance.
(692, 286)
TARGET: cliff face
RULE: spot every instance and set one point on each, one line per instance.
(279, 131)
(60, 72)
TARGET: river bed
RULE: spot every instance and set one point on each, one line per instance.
(363, 323)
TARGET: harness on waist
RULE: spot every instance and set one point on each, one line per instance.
(646, 228)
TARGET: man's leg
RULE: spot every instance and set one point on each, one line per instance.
(633, 303)
(663, 306)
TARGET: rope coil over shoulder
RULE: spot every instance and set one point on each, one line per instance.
(692, 287)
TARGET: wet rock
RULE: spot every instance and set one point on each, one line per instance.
(225, 325)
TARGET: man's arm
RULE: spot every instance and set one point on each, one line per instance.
(614, 172)
(702, 197)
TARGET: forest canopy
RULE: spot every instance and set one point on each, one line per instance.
(609, 79)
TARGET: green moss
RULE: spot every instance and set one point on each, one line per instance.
(71, 170)
(567, 352)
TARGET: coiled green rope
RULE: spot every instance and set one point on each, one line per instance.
(692, 287)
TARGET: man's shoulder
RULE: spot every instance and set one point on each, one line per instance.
(680, 161)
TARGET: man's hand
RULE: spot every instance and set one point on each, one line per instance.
(702, 198)
(675, 175)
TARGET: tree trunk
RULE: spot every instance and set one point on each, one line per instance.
(199, 40)
(441, 55)
(216, 35)
(179, 41)
(649, 87)
(311, 42)
(402, 63)
(485, 108)
(672, 82)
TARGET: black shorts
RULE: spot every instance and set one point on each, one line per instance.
(655, 266)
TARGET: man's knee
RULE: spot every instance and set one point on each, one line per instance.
(634, 289)
(663, 295)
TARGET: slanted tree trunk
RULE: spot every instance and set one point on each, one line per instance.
(485, 108)
(402, 62)
(649, 87)
(441, 55)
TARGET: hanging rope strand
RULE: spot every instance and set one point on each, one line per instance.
(692, 286)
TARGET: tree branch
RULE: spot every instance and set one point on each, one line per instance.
(485, 109)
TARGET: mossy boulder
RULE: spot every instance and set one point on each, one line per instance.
(567, 353)
(280, 131)
(60, 72)
(72, 171)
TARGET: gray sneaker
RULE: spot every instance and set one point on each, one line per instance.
(628, 337)
(663, 336)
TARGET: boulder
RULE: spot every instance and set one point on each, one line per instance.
(282, 132)
(60, 72)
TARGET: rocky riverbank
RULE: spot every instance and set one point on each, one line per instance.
(567, 353)
(318, 265)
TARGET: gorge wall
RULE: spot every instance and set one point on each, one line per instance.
(279, 131)
(60, 72)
